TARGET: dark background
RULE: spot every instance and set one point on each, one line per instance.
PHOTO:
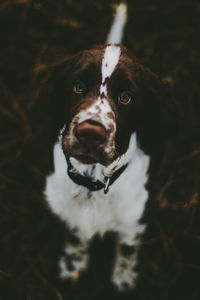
(37, 35)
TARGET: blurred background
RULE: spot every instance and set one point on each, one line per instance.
(37, 35)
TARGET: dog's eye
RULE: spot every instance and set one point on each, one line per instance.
(125, 98)
(79, 87)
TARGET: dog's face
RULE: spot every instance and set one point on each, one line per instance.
(108, 96)
(102, 105)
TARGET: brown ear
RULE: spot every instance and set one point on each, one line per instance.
(157, 120)
(49, 109)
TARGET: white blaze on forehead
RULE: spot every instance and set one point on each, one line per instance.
(103, 89)
(109, 62)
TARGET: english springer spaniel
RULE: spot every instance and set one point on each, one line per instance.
(115, 120)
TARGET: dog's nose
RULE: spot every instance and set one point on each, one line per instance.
(90, 133)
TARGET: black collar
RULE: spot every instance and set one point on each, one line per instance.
(90, 183)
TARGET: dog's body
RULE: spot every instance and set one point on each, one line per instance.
(90, 213)
(114, 125)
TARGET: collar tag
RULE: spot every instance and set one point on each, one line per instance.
(106, 187)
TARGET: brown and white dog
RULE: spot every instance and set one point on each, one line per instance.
(116, 125)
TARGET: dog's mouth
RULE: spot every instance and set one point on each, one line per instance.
(86, 159)
(87, 154)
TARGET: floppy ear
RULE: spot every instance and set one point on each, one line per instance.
(157, 119)
(48, 113)
(55, 89)
(49, 110)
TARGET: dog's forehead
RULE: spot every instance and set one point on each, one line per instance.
(110, 61)
(100, 64)
(105, 57)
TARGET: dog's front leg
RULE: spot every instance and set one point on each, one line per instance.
(124, 273)
(75, 259)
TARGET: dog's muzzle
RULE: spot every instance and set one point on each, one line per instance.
(91, 138)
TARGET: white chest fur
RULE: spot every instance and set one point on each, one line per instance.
(95, 212)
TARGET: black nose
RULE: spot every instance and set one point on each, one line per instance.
(90, 133)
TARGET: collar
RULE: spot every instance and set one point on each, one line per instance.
(90, 183)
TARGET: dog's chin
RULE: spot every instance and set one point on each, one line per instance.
(89, 154)
(86, 159)
(89, 158)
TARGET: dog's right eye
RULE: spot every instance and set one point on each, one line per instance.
(79, 87)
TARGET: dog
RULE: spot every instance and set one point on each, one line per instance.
(118, 121)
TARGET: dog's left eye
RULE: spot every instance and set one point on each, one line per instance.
(79, 87)
(125, 98)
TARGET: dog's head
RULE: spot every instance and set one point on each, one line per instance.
(108, 95)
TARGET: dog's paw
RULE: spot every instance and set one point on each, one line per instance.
(73, 263)
(124, 276)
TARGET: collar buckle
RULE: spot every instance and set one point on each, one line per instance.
(107, 183)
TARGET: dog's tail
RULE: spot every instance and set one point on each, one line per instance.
(116, 31)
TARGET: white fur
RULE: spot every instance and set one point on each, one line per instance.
(89, 213)
(116, 31)
(124, 272)
(109, 62)
(97, 111)
(79, 261)
(95, 212)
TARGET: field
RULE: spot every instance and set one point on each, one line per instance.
(36, 35)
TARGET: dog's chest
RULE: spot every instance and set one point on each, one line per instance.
(95, 212)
